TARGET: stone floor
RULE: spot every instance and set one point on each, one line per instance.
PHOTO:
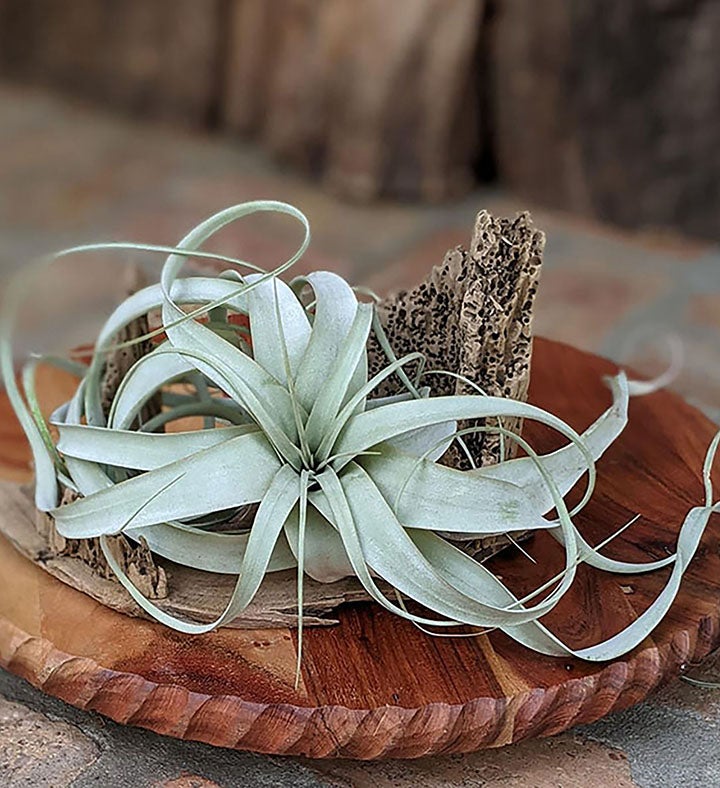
(69, 175)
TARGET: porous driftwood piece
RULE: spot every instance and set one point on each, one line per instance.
(472, 316)
(136, 559)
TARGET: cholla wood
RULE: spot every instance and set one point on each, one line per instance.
(473, 316)
(375, 686)
(136, 559)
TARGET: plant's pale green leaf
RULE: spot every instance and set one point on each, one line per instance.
(208, 551)
(337, 510)
(182, 544)
(370, 428)
(334, 391)
(139, 450)
(386, 347)
(335, 309)
(46, 487)
(282, 496)
(325, 558)
(436, 497)
(238, 375)
(277, 319)
(218, 408)
(383, 539)
(568, 464)
(146, 376)
(431, 442)
(450, 563)
(196, 290)
(262, 406)
(231, 474)
(354, 404)
(28, 378)
(403, 396)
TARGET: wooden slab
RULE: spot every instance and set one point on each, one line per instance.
(374, 686)
(190, 593)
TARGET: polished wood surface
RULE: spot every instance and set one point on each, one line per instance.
(375, 686)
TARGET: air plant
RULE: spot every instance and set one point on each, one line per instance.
(343, 483)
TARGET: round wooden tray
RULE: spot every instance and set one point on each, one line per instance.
(375, 686)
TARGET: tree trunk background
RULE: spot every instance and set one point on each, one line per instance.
(610, 109)
(371, 96)
(156, 58)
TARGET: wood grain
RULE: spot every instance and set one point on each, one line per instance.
(374, 686)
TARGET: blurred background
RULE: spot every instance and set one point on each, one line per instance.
(608, 109)
(390, 124)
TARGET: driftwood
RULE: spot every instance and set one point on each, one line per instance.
(136, 559)
(188, 592)
(473, 316)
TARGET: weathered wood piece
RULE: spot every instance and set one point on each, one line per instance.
(136, 559)
(375, 686)
(472, 316)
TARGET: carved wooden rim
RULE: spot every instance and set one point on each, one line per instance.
(337, 731)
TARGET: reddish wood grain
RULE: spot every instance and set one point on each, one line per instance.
(375, 686)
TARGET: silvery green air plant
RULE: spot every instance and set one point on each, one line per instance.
(344, 483)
